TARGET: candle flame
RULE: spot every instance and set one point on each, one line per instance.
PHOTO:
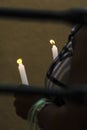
(19, 61)
(52, 42)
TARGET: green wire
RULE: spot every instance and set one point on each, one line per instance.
(32, 116)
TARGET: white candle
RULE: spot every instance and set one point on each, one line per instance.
(22, 72)
(54, 49)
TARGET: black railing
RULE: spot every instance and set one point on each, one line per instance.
(76, 94)
(72, 16)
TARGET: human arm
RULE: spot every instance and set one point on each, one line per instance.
(78, 74)
(75, 114)
(70, 116)
(50, 117)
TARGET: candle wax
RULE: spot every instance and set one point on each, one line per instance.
(54, 51)
(23, 75)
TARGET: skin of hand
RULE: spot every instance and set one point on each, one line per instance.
(23, 103)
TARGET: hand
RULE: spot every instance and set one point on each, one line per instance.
(23, 104)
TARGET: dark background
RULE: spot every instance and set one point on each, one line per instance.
(29, 40)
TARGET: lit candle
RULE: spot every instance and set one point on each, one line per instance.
(54, 49)
(22, 72)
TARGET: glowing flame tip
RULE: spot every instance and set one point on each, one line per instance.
(52, 42)
(19, 61)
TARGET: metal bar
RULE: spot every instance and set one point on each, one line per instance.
(71, 16)
(25, 89)
(71, 94)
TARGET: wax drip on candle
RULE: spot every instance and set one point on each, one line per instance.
(22, 72)
(54, 49)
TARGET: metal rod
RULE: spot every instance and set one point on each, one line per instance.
(25, 89)
(71, 16)
(71, 94)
